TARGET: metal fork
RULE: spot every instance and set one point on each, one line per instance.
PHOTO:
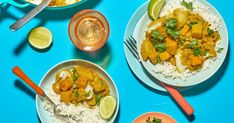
(131, 43)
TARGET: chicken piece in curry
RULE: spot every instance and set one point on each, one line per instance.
(80, 85)
(182, 32)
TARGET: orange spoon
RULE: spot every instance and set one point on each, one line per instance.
(18, 72)
(188, 109)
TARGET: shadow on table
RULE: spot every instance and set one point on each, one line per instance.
(62, 14)
(4, 14)
(24, 88)
(102, 57)
(21, 86)
(117, 116)
(24, 42)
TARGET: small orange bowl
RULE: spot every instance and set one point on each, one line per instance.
(82, 25)
(164, 117)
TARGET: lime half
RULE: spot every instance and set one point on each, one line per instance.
(154, 8)
(40, 38)
(107, 107)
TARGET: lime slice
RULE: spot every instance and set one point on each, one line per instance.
(154, 8)
(40, 38)
(107, 107)
(180, 67)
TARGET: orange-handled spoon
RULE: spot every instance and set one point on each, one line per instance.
(188, 109)
(18, 72)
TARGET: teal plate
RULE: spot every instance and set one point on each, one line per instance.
(136, 27)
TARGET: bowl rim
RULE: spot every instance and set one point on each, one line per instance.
(75, 60)
(152, 112)
(105, 21)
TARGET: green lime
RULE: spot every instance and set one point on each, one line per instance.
(107, 107)
(40, 38)
(154, 8)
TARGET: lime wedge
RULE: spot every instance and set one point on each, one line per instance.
(107, 107)
(154, 8)
(40, 38)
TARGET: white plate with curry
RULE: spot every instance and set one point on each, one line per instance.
(90, 86)
(184, 47)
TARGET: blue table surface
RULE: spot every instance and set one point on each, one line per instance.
(213, 101)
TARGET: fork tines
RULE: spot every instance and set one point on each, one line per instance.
(131, 44)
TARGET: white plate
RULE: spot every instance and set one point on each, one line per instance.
(49, 79)
(139, 34)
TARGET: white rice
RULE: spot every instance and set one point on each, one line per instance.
(166, 69)
(76, 114)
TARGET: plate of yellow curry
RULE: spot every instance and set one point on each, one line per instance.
(83, 92)
(185, 45)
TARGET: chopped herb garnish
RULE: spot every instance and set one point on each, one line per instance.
(161, 47)
(205, 52)
(74, 74)
(171, 23)
(157, 36)
(170, 28)
(219, 50)
(159, 59)
(160, 37)
(188, 5)
(154, 42)
(76, 94)
(75, 77)
(210, 31)
(98, 98)
(174, 33)
(155, 120)
(197, 51)
(88, 94)
(192, 23)
(181, 42)
(192, 44)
